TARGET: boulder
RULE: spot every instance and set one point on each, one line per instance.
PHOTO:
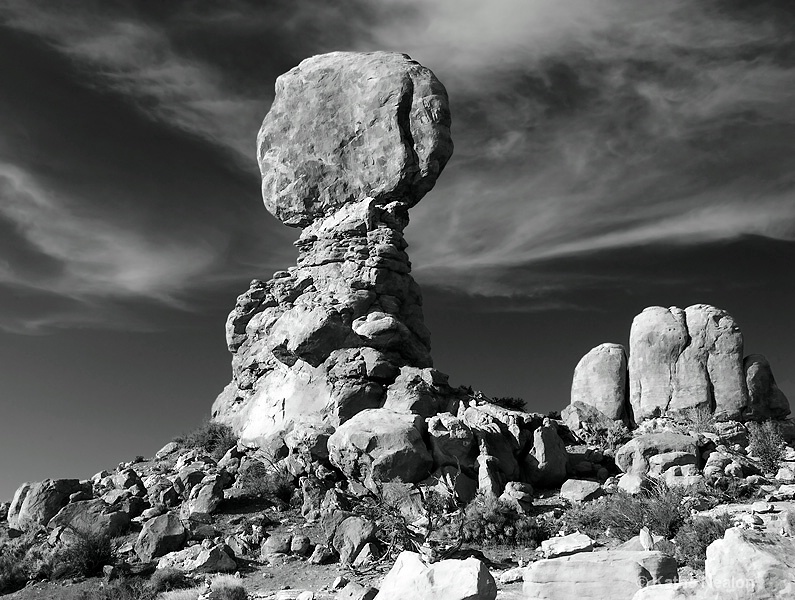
(351, 536)
(450, 579)
(577, 491)
(91, 516)
(548, 458)
(751, 564)
(581, 417)
(566, 545)
(159, 536)
(200, 558)
(518, 495)
(16, 504)
(451, 441)
(686, 359)
(611, 574)
(633, 484)
(381, 445)
(352, 141)
(205, 496)
(767, 400)
(600, 380)
(35, 505)
(633, 457)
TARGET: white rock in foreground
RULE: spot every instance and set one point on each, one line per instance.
(410, 578)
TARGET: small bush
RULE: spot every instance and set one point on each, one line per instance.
(165, 580)
(488, 520)
(695, 535)
(659, 508)
(124, 589)
(214, 438)
(179, 595)
(267, 481)
(86, 554)
(610, 439)
(699, 419)
(13, 570)
(227, 587)
(766, 443)
(510, 403)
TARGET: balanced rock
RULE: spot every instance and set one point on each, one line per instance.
(600, 380)
(352, 141)
(686, 359)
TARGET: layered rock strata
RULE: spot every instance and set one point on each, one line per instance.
(352, 141)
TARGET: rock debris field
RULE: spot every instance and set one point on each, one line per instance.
(340, 464)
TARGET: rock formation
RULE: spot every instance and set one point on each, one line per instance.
(679, 360)
(600, 379)
(352, 141)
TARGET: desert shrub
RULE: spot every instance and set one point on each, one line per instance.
(610, 439)
(13, 568)
(214, 438)
(165, 580)
(659, 508)
(697, 419)
(271, 482)
(509, 402)
(489, 520)
(695, 535)
(123, 589)
(227, 587)
(86, 553)
(727, 490)
(766, 443)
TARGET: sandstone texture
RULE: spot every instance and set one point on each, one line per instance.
(614, 574)
(449, 579)
(352, 141)
(600, 380)
(680, 361)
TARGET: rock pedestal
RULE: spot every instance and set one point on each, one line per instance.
(352, 141)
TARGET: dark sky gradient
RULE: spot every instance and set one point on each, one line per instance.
(610, 155)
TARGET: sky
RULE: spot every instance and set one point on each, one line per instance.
(609, 155)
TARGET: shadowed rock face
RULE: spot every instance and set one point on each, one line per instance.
(351, 142)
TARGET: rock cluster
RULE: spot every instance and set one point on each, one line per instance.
(351, 142)
(679, 361)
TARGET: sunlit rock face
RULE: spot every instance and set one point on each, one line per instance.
(352, 141)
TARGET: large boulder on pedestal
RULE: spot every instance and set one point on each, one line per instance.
(351, 142)
(381, 445)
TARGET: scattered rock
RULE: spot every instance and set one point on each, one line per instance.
(159, 536)
(633, 457)
(451, 579)
(577, 491)
(351, 536)
(566, 545)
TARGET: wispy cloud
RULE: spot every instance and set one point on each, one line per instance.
(136, 58)
(94, 256)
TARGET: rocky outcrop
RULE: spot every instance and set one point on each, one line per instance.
(637, 456)
(351, 142)
(600, 380)
(35, 504)
(680, 360)
(767, 400)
